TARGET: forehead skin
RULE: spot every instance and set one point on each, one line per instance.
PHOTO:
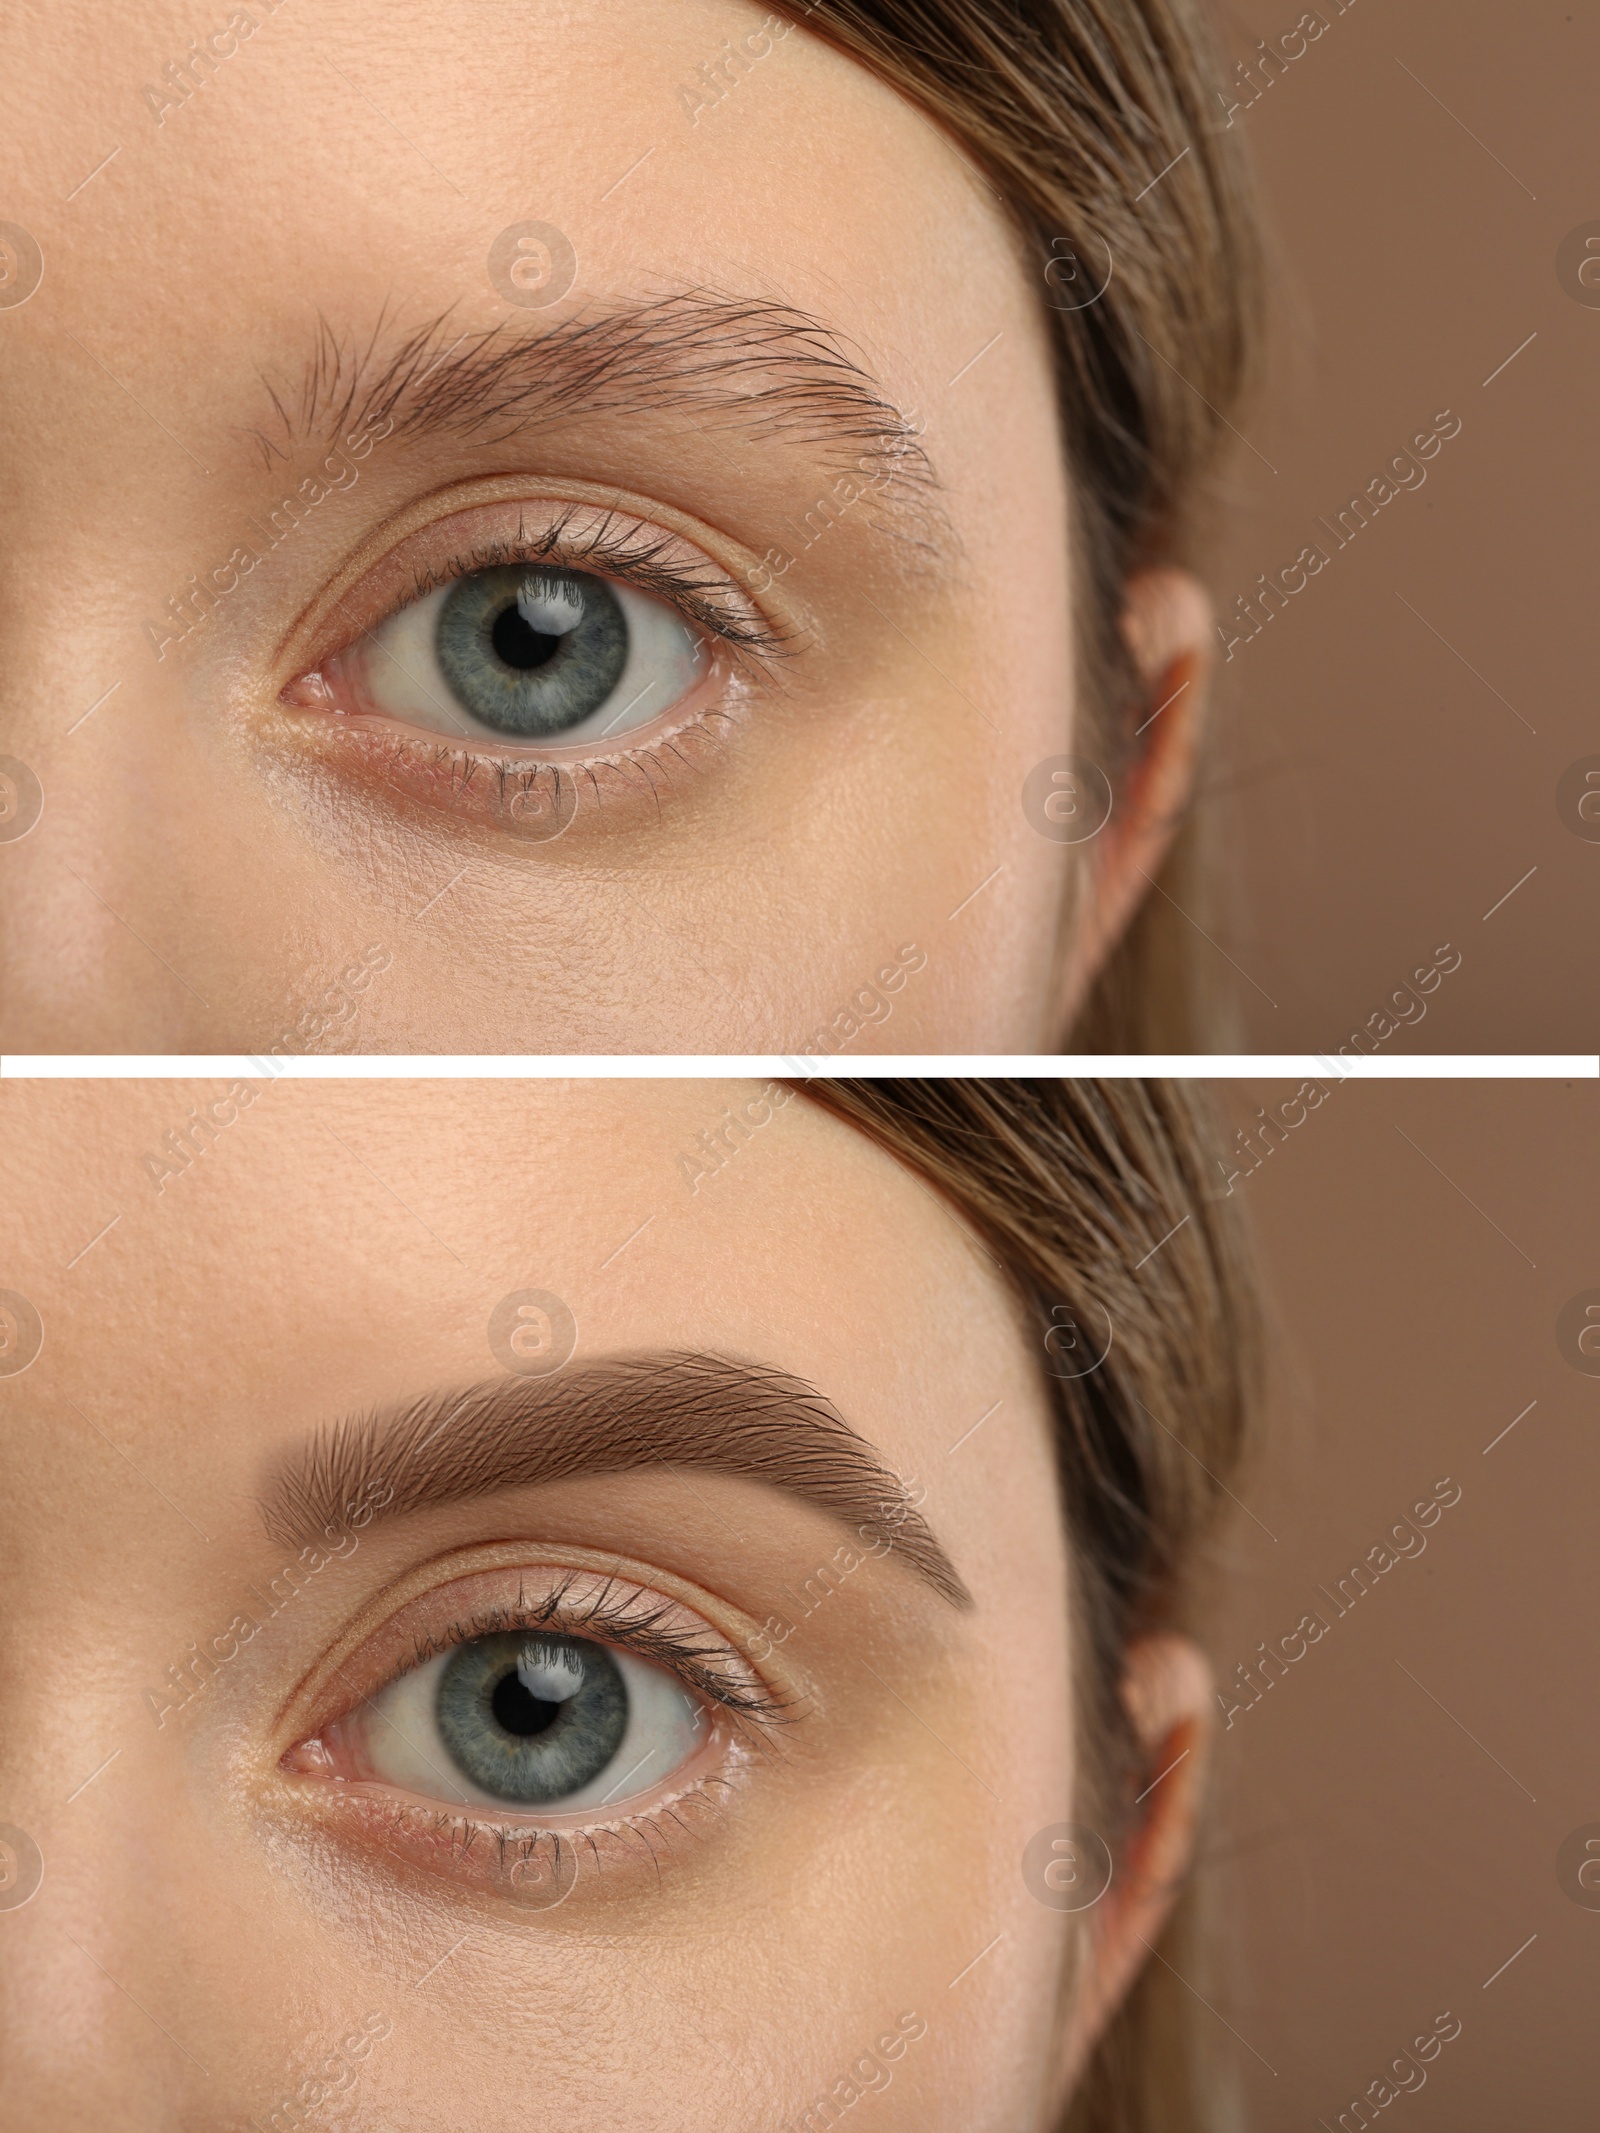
(345, 1243)
(356, 163)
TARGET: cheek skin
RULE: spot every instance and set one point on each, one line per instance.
(886, 1877)
(918, 832)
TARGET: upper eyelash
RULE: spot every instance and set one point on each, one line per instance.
(642, 556)
(632, 1620)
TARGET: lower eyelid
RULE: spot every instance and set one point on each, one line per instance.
(533, 1863)
(530, 798)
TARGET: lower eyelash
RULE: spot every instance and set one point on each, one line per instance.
(506, 1851)
(529, 1863)
(451, 775)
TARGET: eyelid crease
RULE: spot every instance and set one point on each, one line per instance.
(434, 519)
(334, 1681)
(646, 566)
(635, 1621)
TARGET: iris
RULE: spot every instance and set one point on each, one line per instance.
(532, 653)
(531, 1720)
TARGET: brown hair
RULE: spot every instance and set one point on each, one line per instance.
(1074, 109)
(1100, 1201)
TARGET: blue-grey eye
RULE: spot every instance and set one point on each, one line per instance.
(531, 1720)
(531, 655)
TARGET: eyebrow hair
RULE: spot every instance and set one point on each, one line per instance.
(771, 369)
(674, 1408)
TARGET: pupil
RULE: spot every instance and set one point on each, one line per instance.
(515, 1708)
(519, 644)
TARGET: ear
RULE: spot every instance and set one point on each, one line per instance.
(1167, 626)
(1167, 1691)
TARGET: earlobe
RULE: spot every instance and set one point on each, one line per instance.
(1167, 626)
(1167, 1691)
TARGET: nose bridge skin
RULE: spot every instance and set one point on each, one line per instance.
(130, 1998)
(106, 732)
(108, 2005)
(92, 2031)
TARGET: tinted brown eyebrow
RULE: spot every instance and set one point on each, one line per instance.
(759, 366)
(674, 1409)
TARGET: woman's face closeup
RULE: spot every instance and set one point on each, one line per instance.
(536, 529)
(514, 1619)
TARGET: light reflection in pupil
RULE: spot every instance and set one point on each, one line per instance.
(519, 644)
(517, 1709)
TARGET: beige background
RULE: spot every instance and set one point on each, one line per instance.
(1381, 1863)
(1376, 797)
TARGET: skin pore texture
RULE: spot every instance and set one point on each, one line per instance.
(798, 394)
(825, 1895)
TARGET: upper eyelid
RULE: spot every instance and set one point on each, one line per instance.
(762, 1705)
(345, 1672)
(328, 620)
(644, 571)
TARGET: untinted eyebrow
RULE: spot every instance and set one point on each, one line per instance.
(759, 366)
(671, 1409)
